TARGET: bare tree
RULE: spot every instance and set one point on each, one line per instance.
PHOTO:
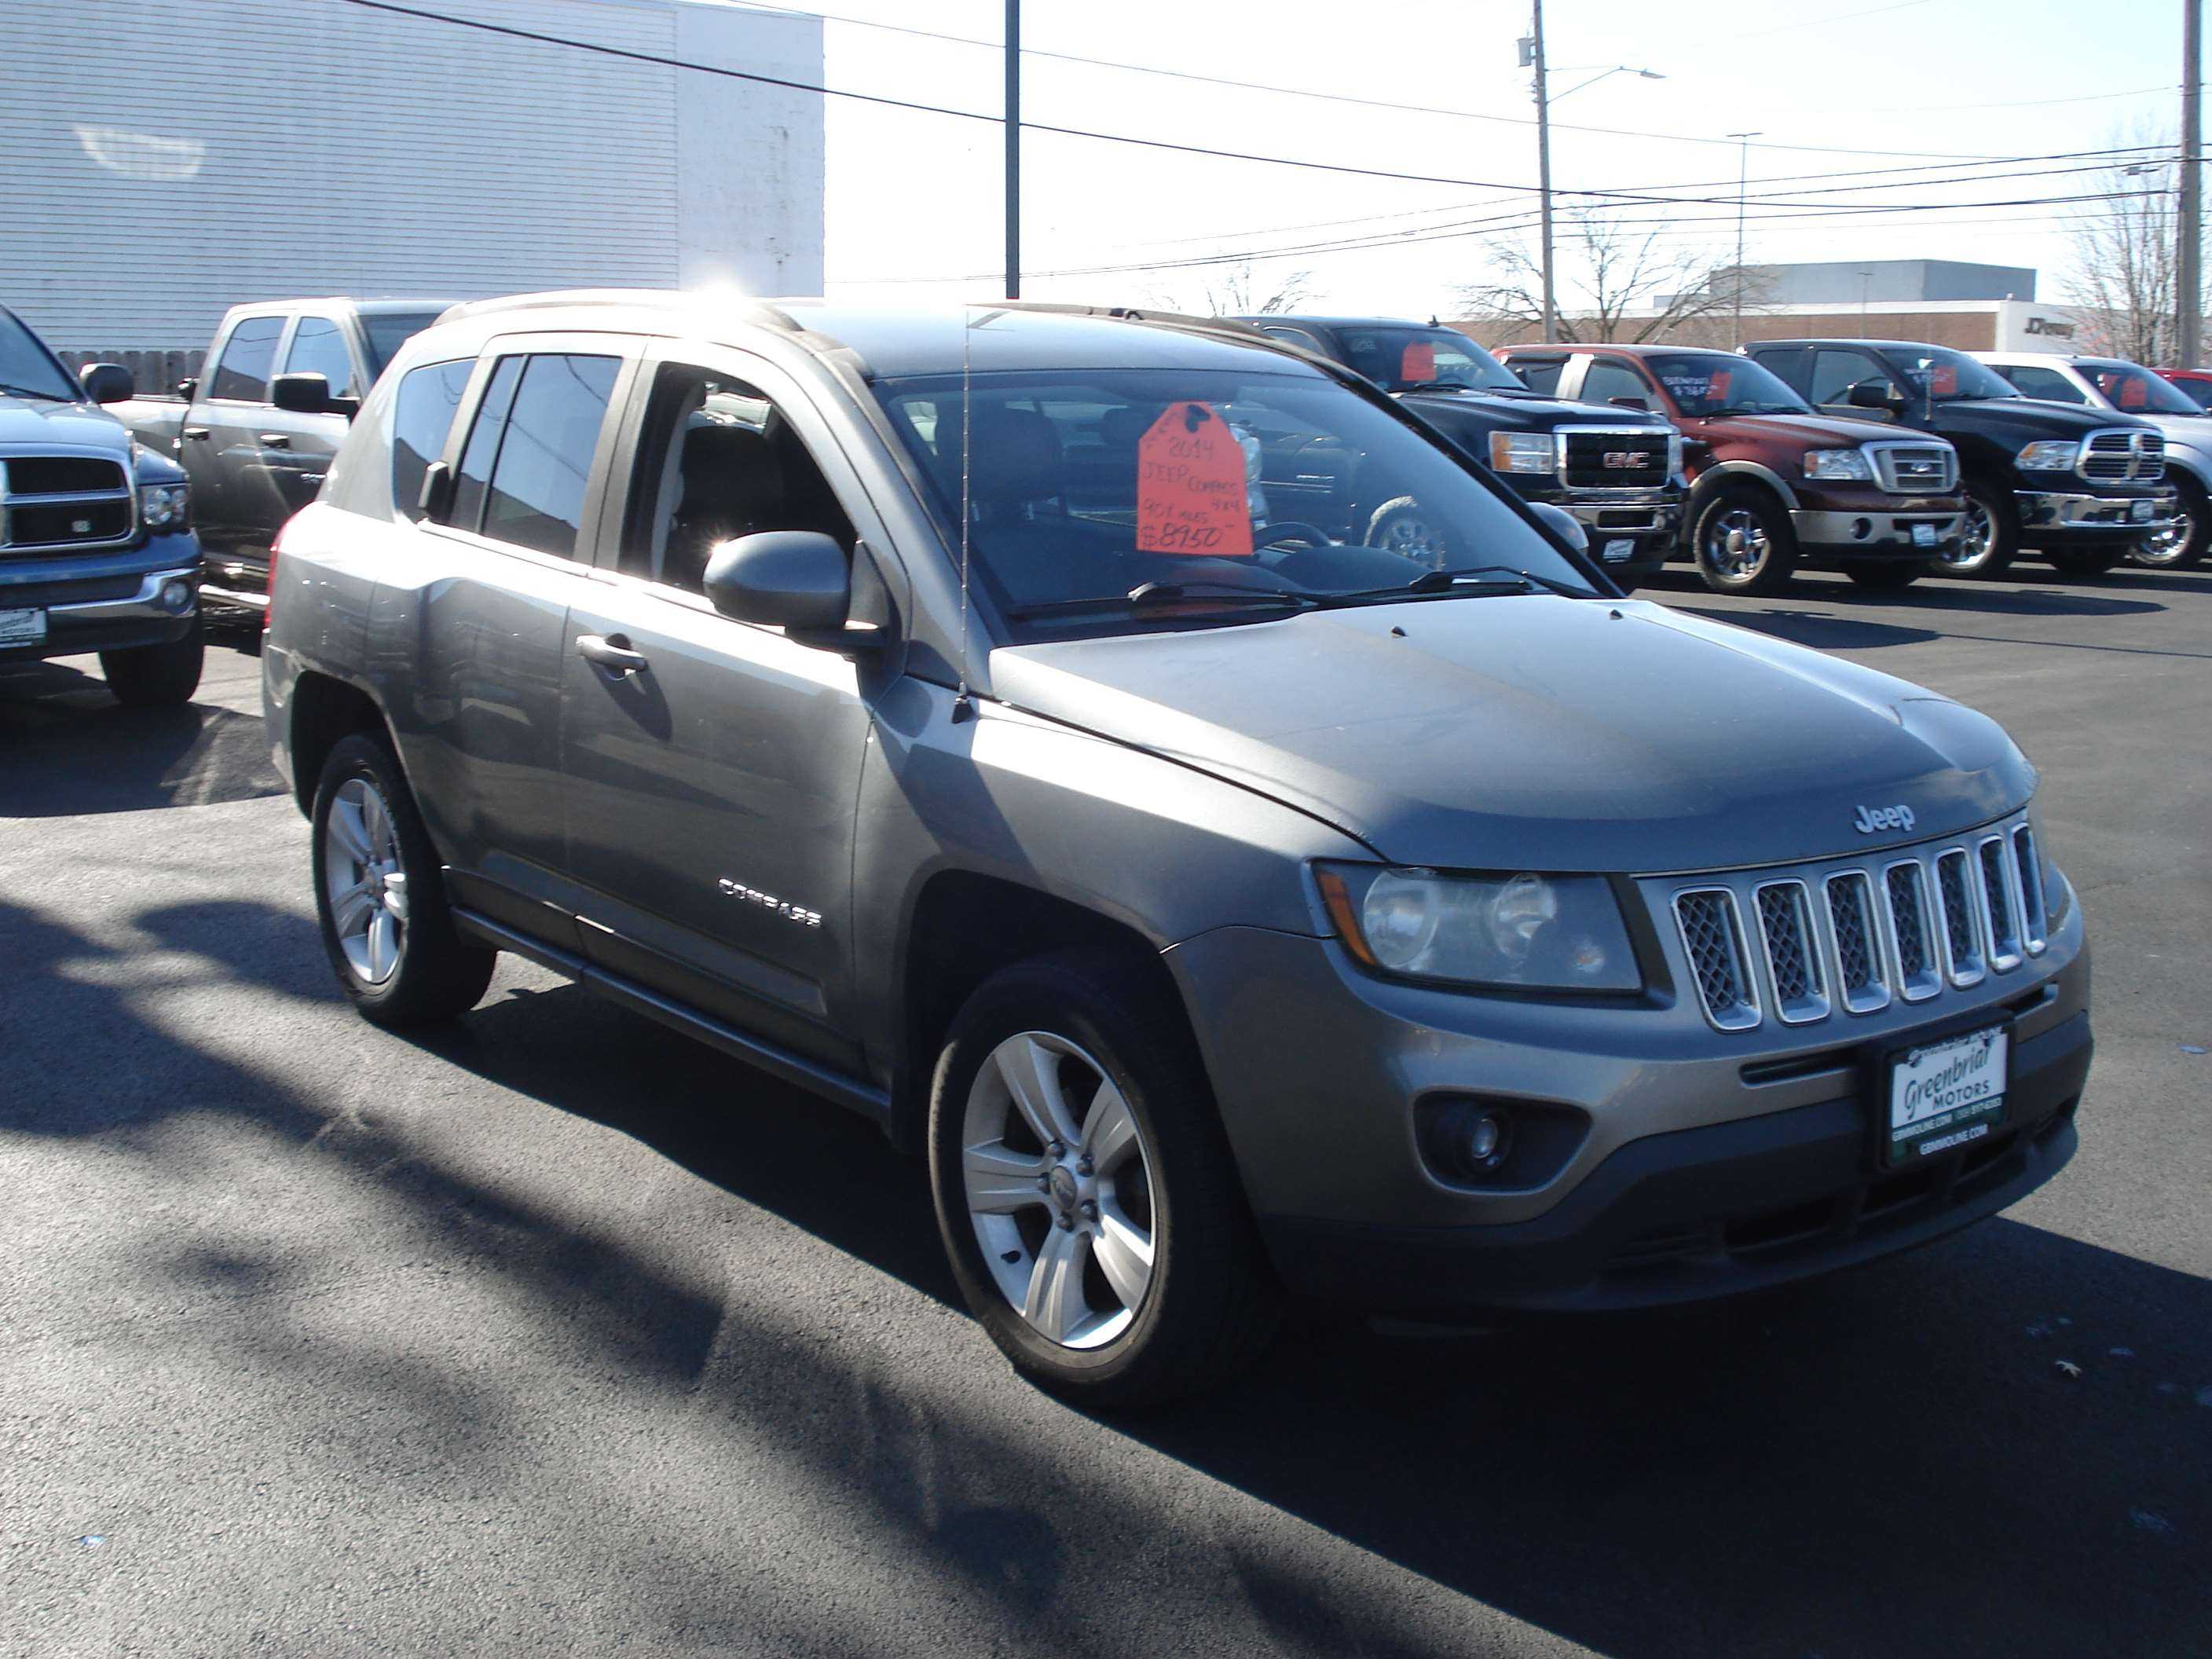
(2124, 274)
(1612, 284)
(1235, 289)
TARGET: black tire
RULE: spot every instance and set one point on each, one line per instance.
(157, 676)
(1210, 1302)
(1891, 576)
(2185, 550)
(1989, 540)
(2085, 564)
(1744, 543)
(1401, 525)
(435, 975)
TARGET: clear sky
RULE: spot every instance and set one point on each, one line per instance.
(914, 199)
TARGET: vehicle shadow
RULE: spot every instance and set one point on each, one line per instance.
(2053, 597)
(68, 748)
(1818, 629)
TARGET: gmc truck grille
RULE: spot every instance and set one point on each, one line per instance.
(57, 502)
(1613, 457)
(1915, 469)
(1858, 936)
(2120, 456)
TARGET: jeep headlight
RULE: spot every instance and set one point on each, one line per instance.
(1521, 451)
(1841, 465)
(1528, 931)
(164, 507)
(2048, 455)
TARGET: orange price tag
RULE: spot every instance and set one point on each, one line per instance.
(1190, 485)
(1418, 363)
(1944, 382)
(1718, 390)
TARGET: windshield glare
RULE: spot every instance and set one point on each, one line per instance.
(1704, 383)
(1401, 357)
(1950, 377)
(2137, 391)
(24, 362)
(1084, 485)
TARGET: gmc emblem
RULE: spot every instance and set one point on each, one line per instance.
(1619, 458)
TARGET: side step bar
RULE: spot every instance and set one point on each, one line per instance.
(233, 596)
(849, 1092)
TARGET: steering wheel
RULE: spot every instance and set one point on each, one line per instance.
(1290, 529)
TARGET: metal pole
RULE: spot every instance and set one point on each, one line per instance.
(1544, 172)
(1013, 150)
(1742, 177)
(2189, 300)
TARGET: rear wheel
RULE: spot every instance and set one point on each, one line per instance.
(1890, 577)
(2083, 564)
(156, 676)
(1991, 537)
(1745, 544)
(1084, 1188)
(2182, 546)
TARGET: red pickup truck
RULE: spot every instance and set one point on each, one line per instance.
(1774, 484)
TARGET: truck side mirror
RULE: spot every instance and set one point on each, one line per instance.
(795, 580)
(1562, 524)
(301, 393)
(108, 382)
(186, 388)
(1873, 393)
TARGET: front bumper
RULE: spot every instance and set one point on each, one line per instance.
(112, 602)
(2050, 517)
(1627, 530)
(1885, 533)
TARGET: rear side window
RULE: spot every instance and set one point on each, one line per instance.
(241, 375)
(484, 445)
(421, 417)
(318, 347)
(536, 495)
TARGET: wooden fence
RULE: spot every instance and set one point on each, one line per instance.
(155, 371)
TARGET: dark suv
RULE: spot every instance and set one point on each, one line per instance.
(1615, 472)
(2083, 487)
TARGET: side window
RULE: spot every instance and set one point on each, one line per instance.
(1835, 373)
(1297, 336)
(2048, 383)
(1789, 363)
(469, 488)
(241, 375)
(536, 495)
(1538, 374)
(318, 347)
(718, 460)
(421, 416)
(1605, 379)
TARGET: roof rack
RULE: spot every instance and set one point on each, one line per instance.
(753, 311)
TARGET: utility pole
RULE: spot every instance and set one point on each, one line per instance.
(2187, 268)
(1013, 150)
(1533, 55)
(1742, 177)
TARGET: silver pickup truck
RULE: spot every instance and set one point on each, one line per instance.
(256, 430)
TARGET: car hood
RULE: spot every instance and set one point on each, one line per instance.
(1808, 429)
(1494, 411)
(2009, 418)
(32, 421)
(1538, 731)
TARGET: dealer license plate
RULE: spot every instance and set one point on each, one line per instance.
(1619, 550)
(1944, 1095)
(22, 628)
(1924, 535)
(2140, 512)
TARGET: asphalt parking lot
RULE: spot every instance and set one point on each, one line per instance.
(556, 1333)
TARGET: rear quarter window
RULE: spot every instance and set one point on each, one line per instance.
(421, 419)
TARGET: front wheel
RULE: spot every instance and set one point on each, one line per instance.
(1084, 1188)
(1404, 527)
(156, 676)
(1890, 577)
(1745, 544)
(1991, 537)
(2182, 545)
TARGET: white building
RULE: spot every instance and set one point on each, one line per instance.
(163, 160)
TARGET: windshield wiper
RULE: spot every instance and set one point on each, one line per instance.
(33, 392)
(1453, 585)
(1145, 594)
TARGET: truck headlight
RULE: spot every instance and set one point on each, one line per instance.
(1838, 465)
(1528, 931)
(2048, 455)
(164, 507)
(1521, 451)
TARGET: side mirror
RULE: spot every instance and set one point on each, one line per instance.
(1644, 403)
(108, 382)
(1871, 393)
(435, 498)
(1562, 524)
(301, 393)
(796, 579)
(186, 388)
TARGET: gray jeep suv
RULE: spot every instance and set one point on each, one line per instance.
(989, 721)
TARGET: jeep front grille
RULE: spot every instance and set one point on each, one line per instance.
(1853, 935)
(56, 502)
(1915, 469)
(2120, 455)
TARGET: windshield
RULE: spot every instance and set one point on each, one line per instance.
(1401, 357)
(1950, 377)
(1704, 383)
(2137, 391)
(389, 331)
(26, 365)
(1232, 497)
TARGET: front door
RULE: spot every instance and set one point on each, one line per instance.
(713, 771)
(221, 450)
(297, 449)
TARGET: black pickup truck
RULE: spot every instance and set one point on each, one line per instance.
(1616, 471)
(2083, 487)
(256, 430)
(97, 548)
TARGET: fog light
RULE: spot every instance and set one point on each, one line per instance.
(176, 596)
(1486, 1139)
(1862, 528)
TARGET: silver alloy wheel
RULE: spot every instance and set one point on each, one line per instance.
(1060, 1189)
(1736, 545)
(1409, 534)
(367, 888)
(2168, 546)
(1977, 536)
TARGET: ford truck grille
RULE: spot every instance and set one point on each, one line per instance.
(2120, 456)
(1856, 935)
(1915, 469)
(1614, 457)
(58, 503)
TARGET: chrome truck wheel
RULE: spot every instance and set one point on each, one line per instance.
(362, 876)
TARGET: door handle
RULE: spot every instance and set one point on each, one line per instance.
(196, 432)
(612, 653)
(275, 440)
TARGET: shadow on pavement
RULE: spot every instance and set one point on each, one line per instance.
(1818, 629)
(2052, 597)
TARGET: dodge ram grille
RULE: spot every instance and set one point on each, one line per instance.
(54, 502)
